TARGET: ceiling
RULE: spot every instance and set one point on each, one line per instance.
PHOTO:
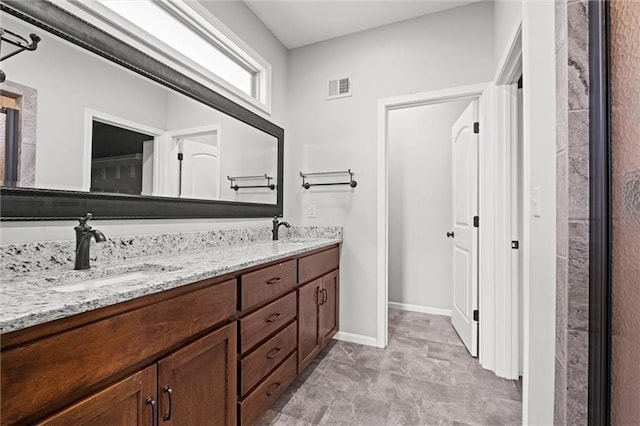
(301, 22)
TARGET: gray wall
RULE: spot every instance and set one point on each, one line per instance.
(572, 216)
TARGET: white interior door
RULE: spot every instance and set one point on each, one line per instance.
(465, 238)
(200, 169)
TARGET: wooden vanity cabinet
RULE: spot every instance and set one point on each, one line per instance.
(267, 338)
(197, 384)
(318, 303)
(217, 352)
(66, 362)
(131, 401)
(329, 307)
(309, 298)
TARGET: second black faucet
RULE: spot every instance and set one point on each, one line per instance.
(276, 226)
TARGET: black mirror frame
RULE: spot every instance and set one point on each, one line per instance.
(20, 204)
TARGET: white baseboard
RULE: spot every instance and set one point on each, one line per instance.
(356, 338)
(423, 309)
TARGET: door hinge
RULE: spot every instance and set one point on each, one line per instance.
(515, 245)
(180, 156)
(476, 127)
(476, 315)
(476, 221)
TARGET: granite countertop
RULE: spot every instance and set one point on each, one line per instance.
(29, 299)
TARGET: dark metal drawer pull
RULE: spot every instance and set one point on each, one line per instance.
(275, 388)
(154, 412)
(168, 391)
(273, 353)
(273, 281)
(273, 317)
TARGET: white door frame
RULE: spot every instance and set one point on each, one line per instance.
(384, 106)
(499, 302)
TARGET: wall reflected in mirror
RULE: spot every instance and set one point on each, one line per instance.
(86, 124)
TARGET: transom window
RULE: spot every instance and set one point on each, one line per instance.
(182, 33)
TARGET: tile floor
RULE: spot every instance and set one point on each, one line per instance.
(424, 377)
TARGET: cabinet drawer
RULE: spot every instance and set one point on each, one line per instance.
(258, 401)
(76, 360)
(318, 264)
(257, 326)
(261, 285)
(261, 361)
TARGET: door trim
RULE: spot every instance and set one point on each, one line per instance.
(382, 249)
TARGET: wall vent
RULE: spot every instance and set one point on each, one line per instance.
(338, 87)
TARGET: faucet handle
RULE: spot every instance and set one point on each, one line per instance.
(85, 219)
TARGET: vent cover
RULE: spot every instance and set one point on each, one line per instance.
(339, 88)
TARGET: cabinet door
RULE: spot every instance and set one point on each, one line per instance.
(131, 401)
(197, 384)
(329, 307)
(308, 326)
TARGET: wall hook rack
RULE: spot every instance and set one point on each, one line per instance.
(18, 41)
(235, 186)
(306, 185)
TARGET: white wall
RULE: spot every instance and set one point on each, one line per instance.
(420, 203)
(243, 23)
(447, 49)
(507, 14)
(539, 172)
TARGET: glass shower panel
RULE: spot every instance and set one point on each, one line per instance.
(625, 143)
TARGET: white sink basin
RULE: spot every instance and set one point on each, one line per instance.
(101, 282)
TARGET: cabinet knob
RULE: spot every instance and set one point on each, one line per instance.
(450, 234)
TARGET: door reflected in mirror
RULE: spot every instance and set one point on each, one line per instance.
(87, 124)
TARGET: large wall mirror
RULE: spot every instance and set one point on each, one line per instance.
(89, 123)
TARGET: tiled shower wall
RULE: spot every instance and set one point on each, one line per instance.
(572, 215)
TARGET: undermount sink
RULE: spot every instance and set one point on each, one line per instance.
(295, 240)
(100, 282)
(140, 273)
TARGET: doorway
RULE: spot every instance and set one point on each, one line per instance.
(422, 240)
(498, 295)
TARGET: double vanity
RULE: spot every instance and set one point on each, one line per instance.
(202, 328)
(192, 337)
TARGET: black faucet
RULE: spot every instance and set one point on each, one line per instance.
(276, 227)
(83, 241)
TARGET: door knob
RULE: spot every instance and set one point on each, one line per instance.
(450, 234)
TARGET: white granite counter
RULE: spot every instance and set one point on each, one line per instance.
(28, 299)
